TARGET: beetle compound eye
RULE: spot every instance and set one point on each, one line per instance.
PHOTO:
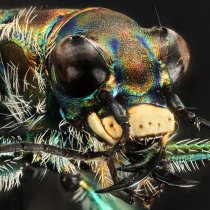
(177, 55)
(78, 66)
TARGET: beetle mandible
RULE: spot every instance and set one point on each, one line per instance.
(91, 88)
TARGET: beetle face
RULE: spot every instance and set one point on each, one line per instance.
(126, 63)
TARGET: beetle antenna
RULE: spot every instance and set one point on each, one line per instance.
(156, 11)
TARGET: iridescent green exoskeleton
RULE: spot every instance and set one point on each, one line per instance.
(92, 88)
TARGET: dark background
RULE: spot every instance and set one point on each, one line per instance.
(192, 20)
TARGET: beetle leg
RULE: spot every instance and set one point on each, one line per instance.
(170, 179)
(54, 150)
(180, 110)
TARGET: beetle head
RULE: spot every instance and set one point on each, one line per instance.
(89, 58)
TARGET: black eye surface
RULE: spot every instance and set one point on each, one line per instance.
(79, 68)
